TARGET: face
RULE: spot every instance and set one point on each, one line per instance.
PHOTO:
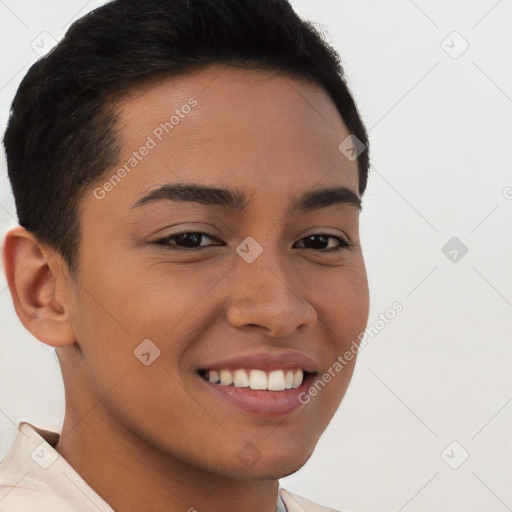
(160, 309)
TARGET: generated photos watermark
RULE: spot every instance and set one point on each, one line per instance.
(150, 143)
(342, 361)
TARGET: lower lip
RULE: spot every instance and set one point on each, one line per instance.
(261, 402)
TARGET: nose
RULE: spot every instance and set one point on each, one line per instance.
(266, 296)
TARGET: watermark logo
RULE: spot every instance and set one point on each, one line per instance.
(249, 249)
(44, 455)
(147, 352)
(454, 45)
(455, 455)
(249, 454)
(351, 147)
(43, 44)
(454, 249)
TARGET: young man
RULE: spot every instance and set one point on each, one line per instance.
(188, 177)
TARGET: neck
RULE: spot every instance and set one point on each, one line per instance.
(132, 475)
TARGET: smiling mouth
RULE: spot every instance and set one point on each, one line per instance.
(256, 379)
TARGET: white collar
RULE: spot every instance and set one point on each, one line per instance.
(32, 463)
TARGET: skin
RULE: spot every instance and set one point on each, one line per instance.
(149, 437)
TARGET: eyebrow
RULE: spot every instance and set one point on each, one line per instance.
(237, 200)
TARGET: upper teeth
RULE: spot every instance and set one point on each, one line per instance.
(276, 380)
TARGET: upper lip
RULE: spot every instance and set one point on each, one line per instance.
(266, 361)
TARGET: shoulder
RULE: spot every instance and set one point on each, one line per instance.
(35, 477)
(296, 503)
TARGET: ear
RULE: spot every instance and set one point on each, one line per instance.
(40, 291)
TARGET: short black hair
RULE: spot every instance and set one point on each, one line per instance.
(61, 137)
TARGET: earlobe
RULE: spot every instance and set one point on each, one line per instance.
(37, 285)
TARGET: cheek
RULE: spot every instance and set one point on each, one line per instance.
(124, 305)
(342, 304)
(348, 314)
(156, 298)
(126, 360)
(119, 309)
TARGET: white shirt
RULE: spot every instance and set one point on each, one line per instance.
(34, 477)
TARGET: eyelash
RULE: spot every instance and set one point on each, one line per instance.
(344, 244)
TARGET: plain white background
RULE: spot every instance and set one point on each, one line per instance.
(438, 106)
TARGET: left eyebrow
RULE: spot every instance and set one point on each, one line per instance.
(238, 200)
(324, 197)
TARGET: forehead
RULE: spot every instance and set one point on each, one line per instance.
(252, 129)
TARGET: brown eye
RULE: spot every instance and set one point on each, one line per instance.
(319, 241)
(186, 241)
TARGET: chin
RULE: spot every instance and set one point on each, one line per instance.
(272, 468)
(288, 467)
